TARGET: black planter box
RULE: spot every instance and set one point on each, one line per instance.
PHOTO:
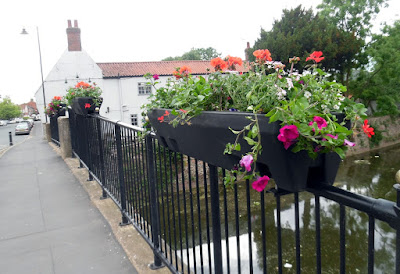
(205, 139)
(79, 105)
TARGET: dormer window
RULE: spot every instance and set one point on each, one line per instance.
(144, 88)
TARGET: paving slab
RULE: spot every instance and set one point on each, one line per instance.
(47, 222)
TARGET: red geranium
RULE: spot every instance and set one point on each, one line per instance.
(368, 129)
(316, 56)
(219, 64)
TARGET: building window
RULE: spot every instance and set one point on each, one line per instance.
(134, 119)
(144, 88)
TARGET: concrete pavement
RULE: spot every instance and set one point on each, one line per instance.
(47, 222)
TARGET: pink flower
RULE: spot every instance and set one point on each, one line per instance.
(321, 122)
(260, 184)
(288, 135)
(348, 143)
(333, 137)
(246, 162)
(156, 77)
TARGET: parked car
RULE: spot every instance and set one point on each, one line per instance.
(12, 121)
(22, 128)
(26, 122)
(3, 122)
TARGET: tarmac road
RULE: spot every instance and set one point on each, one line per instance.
(5, 138)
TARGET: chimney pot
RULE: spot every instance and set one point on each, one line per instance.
(69, 24)
(75, 23)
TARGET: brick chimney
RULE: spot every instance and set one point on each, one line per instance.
(246, 52)
(74, 36)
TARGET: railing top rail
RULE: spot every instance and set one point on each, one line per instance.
(381, 209)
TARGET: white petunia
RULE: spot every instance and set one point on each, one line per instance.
(307, 94)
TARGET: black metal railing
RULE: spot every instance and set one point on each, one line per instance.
(194, 223)
(54, 130)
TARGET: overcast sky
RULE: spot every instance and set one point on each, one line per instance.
(129, 30)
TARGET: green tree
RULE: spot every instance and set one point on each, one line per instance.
(299, 32)
(8, 110)
(196, 54)
(380, 83)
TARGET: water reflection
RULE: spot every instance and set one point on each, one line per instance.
(372, 175)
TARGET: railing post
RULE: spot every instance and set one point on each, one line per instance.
(101, 156)
(155, 217)
(216, 219)
(121, 178)
(89, 158)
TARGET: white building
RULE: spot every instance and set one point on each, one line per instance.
(123, 85)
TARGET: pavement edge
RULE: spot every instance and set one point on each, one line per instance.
(138, 251)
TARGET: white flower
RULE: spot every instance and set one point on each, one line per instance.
(290, 82)
(307, 94)
(323, 106)
(336, 107)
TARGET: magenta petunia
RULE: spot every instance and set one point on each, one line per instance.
(246, 162)
(348, 143)
(288, 135)
(156, 77)
(321, 122)
(260, 184)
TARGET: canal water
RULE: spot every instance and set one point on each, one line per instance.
(370, 174)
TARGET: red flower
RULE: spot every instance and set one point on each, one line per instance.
(233, 61)
(57, 98)
(161, 119)
(87, 105)
(218, 64)
(83, 85)
(368, 129)
(260, 184)
(316, 56)
(262, 55)
(166, 113)
(184, 111)
(177, 75)
(185, 71)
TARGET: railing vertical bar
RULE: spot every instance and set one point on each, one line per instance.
(127, 177)
(263, 231)
(88, 145)
(173, 209)
(228, 267)
(121, 178)
(158, 174)
(199, 215)
(179, 209)
(192, 215)
(101, 156)
(132, 191)
(168, 206)
(297, 232)
(279, 232)
(318, 233)
(185, 213)
(207, 217)
(155, 217)
(371, 244)
(139, 206)
(216, 218)
(146, 195)
(249, 226)
(342, 239)
(235, 188)
(142, 172)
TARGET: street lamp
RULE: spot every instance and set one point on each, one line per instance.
(41, 69)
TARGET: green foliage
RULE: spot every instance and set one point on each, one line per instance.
(289, 98)
(83, 89)
(8, 110)
(375, 139)
(380, 83)
(353, 16)
(299, 32)
(196, 54)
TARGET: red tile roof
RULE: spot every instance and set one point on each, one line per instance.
(30, 104)
(132, 69)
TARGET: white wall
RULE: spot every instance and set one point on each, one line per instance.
(68, 67)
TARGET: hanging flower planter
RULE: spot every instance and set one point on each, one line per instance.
(83, 105)
(208, 133)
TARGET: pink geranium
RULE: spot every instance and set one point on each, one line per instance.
(348, 143)
(246, 162)
(260, 184)
(288, 135)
